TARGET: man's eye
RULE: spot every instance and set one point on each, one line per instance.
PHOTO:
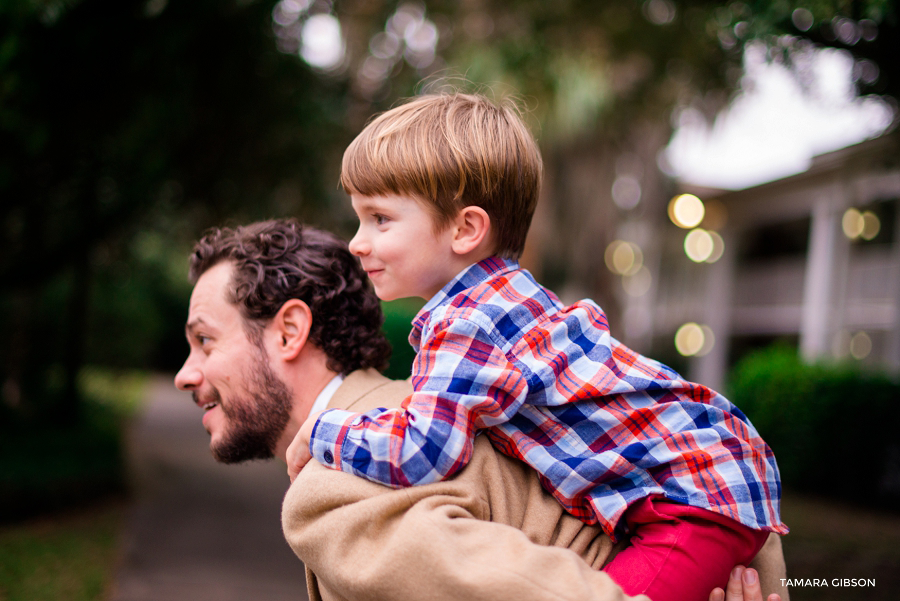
(202, 340)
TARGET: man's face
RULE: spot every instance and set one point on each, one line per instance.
(246, 405)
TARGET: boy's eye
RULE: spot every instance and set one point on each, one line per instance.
(379, 219)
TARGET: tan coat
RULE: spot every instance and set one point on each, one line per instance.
(491, 532)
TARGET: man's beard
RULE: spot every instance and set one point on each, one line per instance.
(257, 421)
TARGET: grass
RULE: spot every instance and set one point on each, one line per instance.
(831, 540)
(67, 557)
(63, 506)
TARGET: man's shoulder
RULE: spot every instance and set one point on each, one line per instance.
(366, 389)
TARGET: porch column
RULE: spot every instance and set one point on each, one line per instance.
(815, 330)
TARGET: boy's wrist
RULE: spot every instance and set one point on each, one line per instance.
(327, 435)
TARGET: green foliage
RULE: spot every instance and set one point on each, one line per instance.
(141, 295)
(832, 427)
(126, 129)
(398, 316)
(46, 466)
(70, 557)
(119, 391)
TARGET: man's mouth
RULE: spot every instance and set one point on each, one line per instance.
(206, 406)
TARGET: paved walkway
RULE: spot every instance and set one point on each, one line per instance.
(201, 531)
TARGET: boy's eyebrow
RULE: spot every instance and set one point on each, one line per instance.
(367, 203)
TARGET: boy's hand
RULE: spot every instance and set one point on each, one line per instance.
(297, 454)
(743, 585)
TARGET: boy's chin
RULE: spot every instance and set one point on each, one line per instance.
(386, 294)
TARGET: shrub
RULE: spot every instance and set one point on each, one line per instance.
(833, 428)
(46, 466)
(398, 316)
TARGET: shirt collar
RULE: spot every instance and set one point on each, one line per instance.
(321, 402)
(469, 277)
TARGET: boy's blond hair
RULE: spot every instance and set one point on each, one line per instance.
(451, 151)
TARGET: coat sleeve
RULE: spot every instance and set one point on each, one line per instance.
(364, 541)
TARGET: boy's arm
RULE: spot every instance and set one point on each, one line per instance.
(463, 381)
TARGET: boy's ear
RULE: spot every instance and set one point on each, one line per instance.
(471, 227)
(290, 328)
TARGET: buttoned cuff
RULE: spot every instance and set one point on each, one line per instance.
(328, 436)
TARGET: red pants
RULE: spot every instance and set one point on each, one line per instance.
(680, 553)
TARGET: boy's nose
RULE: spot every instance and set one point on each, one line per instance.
(358, 246)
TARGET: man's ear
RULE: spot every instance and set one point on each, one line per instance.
(470, 228)
(291, 326)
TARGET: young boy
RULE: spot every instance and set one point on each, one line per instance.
(444, 187)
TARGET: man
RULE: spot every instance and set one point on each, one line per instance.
(282, 323)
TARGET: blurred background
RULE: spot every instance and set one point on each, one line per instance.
(723, 178)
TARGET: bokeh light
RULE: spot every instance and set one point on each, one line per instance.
(288, 12)
(860, 345)
(623, 258)
(686, 211)
(659, 12)
(718, 247)
(852, 223)
(699, 245)
(802, 19)
(384, 45)
(638, 283)
(626, 192)
(871, 225)
(409, 36)
(856, 224)
(323, 45)
(694, 340)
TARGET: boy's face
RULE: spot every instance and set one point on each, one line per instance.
(399, 249)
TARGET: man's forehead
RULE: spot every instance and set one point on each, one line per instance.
(212, 282)
(208, 300)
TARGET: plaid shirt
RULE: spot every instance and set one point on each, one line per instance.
(602, 425)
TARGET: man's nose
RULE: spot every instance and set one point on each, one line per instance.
(188, 377)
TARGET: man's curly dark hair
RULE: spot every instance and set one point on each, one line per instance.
(281, 259)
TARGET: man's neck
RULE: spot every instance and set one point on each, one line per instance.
(306, 377)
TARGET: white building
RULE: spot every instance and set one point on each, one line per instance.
(812, 259)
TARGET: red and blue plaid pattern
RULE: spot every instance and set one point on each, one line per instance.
(602, 425)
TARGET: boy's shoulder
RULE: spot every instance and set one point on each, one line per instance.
(503, 289)
(510, 302)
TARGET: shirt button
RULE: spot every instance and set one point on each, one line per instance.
(328, 457)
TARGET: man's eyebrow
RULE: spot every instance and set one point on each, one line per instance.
(192, 325)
